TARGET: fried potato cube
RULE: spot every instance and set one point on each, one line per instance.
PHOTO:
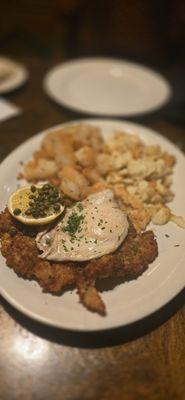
(39, 169)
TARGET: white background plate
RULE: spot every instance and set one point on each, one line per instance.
(106, 87)
(16, 79)
(128, 302)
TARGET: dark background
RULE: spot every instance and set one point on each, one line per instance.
(147, 31)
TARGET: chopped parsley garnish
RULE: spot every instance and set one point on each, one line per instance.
(80, 206)
(73, 223)
(65, 248)
(48, 241)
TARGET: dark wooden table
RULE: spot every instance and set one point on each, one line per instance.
(142, 361)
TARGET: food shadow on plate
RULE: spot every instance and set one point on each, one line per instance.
(98, 339)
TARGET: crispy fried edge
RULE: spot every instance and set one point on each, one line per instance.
(128, 262)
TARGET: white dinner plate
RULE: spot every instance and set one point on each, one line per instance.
(126, 303)
(110, 87)
(17, 76)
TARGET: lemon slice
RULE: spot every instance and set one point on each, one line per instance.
(19, 201)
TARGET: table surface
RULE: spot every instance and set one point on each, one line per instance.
(143, 361)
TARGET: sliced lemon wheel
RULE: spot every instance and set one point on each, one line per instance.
(18, 204)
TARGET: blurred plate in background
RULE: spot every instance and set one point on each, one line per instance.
(102, 86)
(12, 75)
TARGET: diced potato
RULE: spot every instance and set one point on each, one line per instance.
(39, 169)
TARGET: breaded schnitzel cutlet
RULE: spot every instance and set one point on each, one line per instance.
(129, 261)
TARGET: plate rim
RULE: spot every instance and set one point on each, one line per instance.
(48, 321)
(75, 62)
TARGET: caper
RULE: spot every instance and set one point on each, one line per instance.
(33, 188)
(38, 203)
(28, 212)
(57, 207)
(31, 196)
(46, 186)
(56, 200)
(17, 211)
(45, 193)
(43, 214)
(35, 214)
